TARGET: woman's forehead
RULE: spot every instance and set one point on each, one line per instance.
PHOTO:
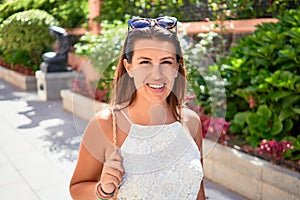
(154, 45)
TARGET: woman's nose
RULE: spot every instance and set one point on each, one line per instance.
(156, 71)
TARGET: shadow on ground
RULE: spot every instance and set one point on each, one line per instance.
(59, 131)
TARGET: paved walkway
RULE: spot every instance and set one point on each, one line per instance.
(39, 145)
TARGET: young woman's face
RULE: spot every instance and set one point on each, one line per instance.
(154, 68)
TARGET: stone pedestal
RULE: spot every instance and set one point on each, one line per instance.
(49, 85)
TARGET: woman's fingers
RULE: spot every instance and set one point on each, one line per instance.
(115, 165)
(116, 155)
(109, 183)
(115, 160)
(110, 179)
(114, 172)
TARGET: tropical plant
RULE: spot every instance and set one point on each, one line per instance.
(263, 82)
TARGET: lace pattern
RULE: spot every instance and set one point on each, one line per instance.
(161, 162)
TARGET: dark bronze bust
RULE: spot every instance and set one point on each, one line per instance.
(57, 61)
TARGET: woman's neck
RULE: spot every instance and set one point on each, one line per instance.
(147, 113)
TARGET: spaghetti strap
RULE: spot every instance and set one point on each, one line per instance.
(126, 117)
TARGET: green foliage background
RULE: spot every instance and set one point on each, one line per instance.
(263, 83)
(195, 10)
(26, 36)
(69, 13)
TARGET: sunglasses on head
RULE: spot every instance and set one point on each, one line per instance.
(165, 22)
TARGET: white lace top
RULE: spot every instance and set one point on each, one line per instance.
(161, 162)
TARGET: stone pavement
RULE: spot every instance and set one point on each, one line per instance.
(38, 148)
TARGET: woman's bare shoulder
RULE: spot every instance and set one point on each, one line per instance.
(97, 136)
(190, 116)
(191, 120)
(104, 115)
(104, 119)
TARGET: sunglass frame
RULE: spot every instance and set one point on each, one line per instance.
(152, 22)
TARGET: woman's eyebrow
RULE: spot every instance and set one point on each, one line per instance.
(166, 58)
(142, 57)
(146, 58)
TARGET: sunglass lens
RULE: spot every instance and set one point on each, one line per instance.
(140, 24)
(167, 23)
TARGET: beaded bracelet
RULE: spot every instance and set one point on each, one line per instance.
(99, 196)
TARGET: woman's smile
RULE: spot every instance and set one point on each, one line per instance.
(156, 87)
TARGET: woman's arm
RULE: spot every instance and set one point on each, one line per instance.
(199, 142)
(193, 123)
(95, 147)
(86, 175)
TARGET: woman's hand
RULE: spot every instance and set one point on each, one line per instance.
(112, 172)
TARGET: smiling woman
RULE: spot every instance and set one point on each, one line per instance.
(146, 145)
(153, 69)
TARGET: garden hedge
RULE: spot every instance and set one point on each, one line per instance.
(26, 36)
(70, 14)
(263, 83)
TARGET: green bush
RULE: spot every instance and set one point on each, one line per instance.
(103, 51)
(26, 33)
(263, 82)
(70, 14)
(204, 80)
(195, 10)
(245, 9)
(112, 9)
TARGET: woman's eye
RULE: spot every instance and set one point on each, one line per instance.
(145, 62)
(167, 62)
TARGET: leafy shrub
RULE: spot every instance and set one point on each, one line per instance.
(103, 51)
(204, 80)
(215, 128)
(263, 82)
(26, 36)
(245, 9)
(112, 9)
(71, 13)
(195, 10)
(293, 153)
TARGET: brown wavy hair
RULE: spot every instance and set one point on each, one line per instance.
(124, 90)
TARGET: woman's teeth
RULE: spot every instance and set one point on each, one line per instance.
(156, 86)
